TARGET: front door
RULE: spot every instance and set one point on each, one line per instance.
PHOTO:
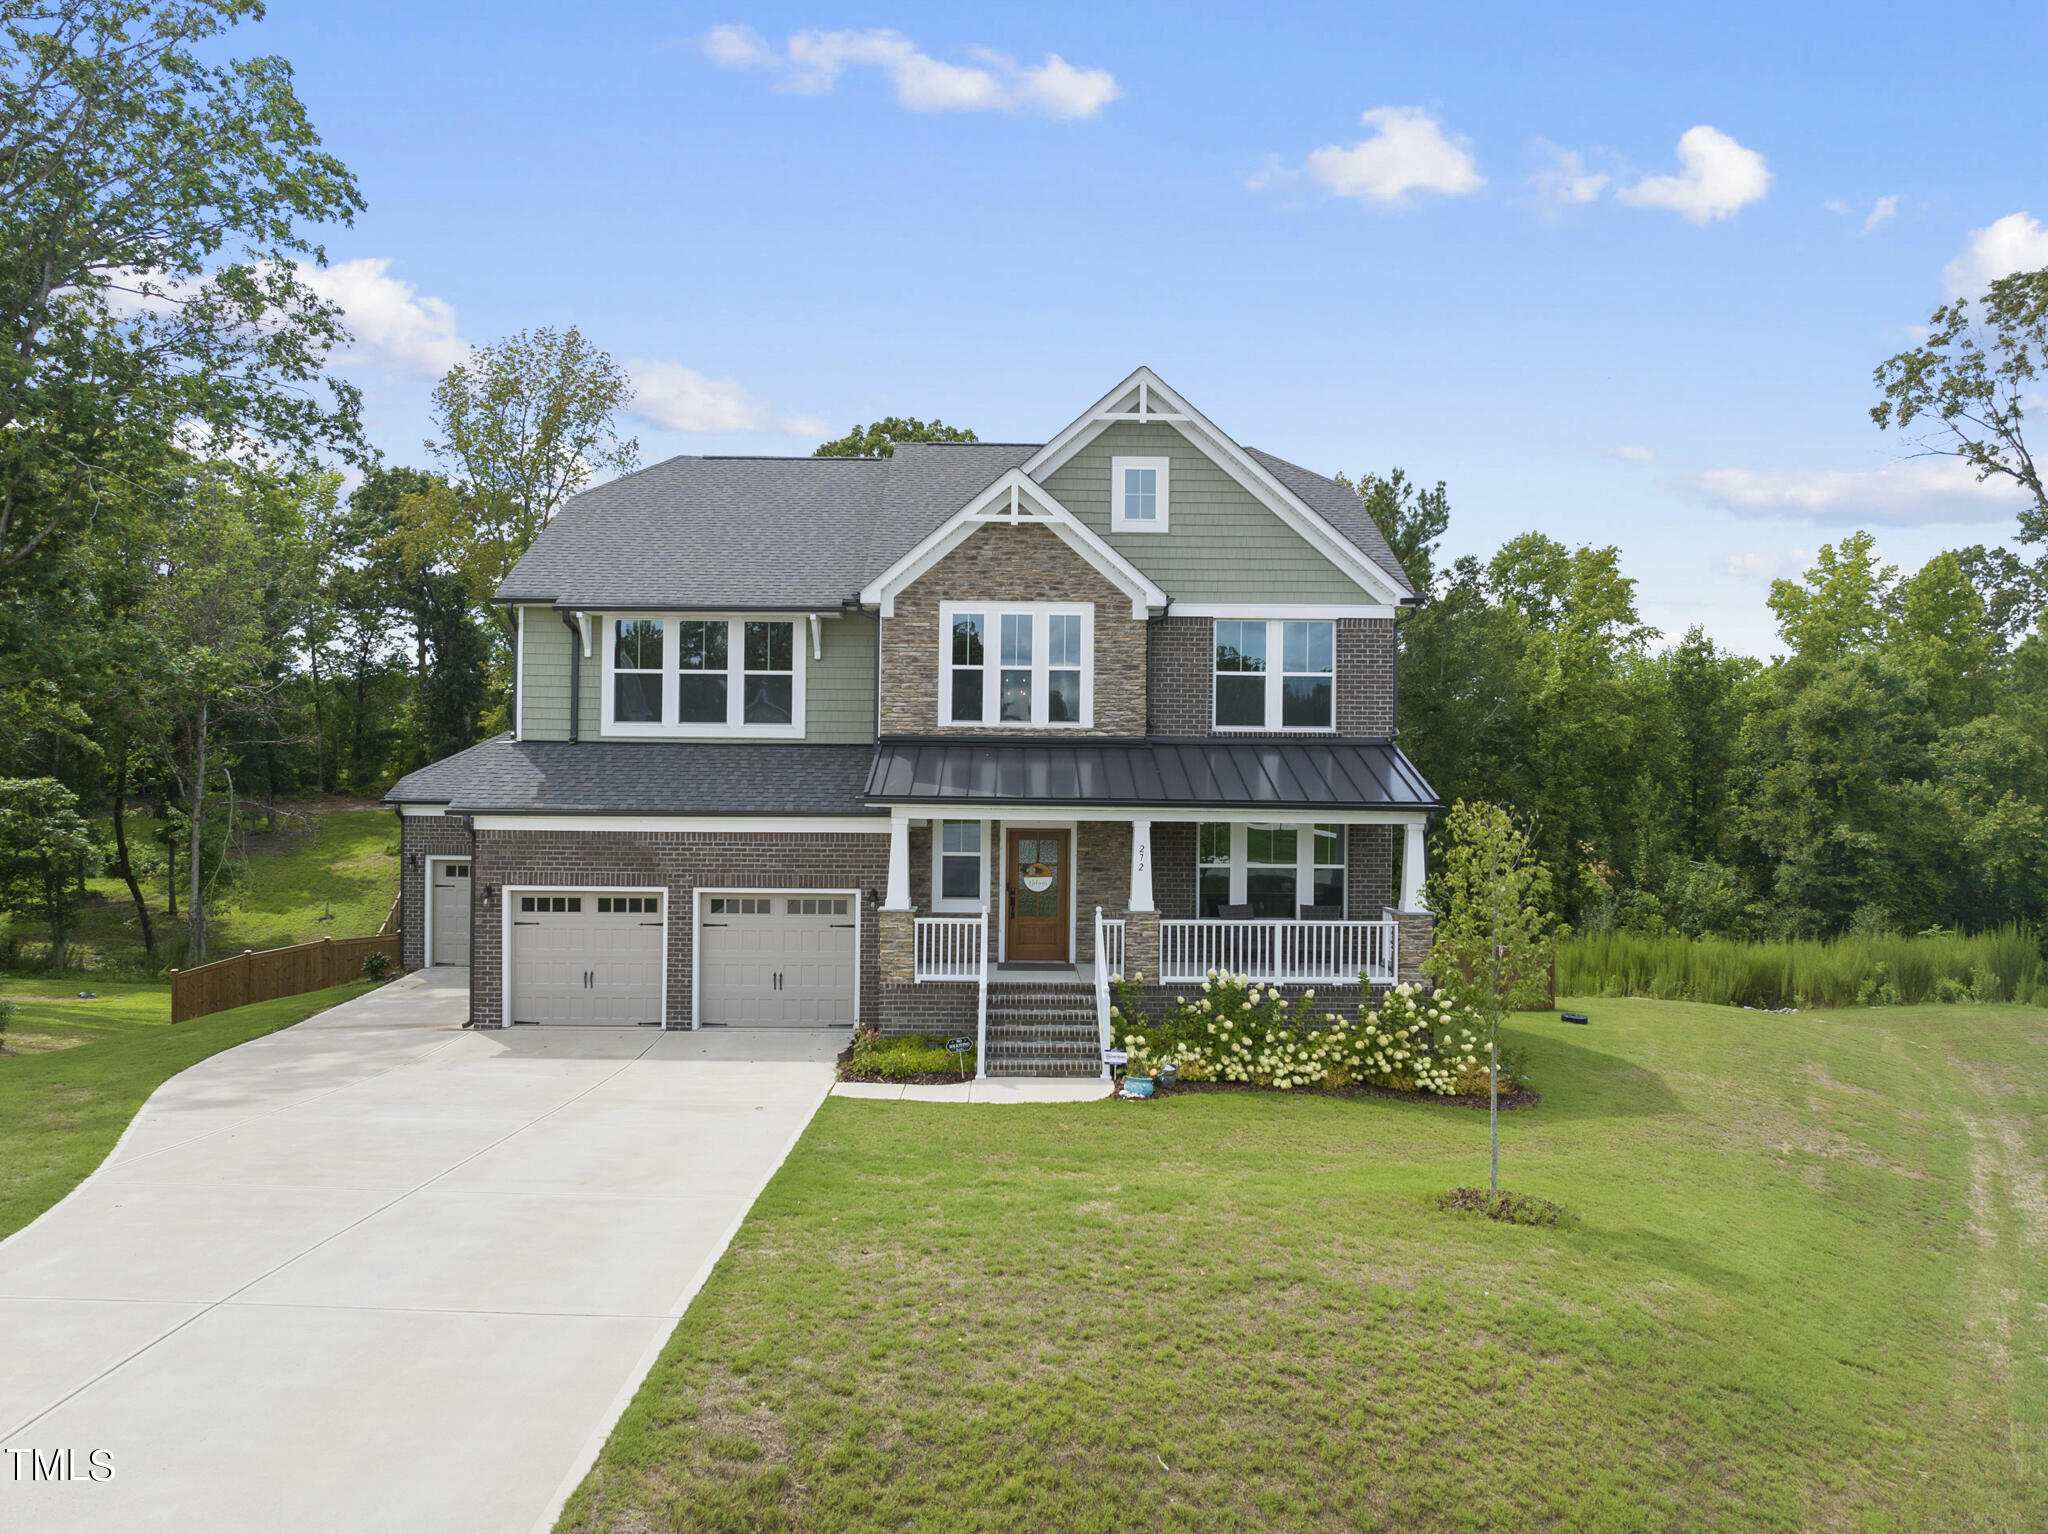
(1035, 879)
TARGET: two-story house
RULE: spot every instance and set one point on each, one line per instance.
(804, 740)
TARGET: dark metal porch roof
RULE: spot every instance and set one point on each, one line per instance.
(1217, 773)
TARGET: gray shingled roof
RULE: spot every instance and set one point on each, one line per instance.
(798, 533)
(619, 777)
(1237, 774)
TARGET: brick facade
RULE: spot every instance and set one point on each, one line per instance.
(421, 837)
(1001, 563)
(682, 862)
(1183, 678)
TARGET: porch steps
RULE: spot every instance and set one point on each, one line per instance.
(1042, 1030)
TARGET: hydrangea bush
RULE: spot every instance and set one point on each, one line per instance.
(1240, 1030)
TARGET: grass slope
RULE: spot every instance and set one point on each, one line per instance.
(87, 1066)
(333, 875)
(1801, 1287)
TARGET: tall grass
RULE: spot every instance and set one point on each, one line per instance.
(2001, 965)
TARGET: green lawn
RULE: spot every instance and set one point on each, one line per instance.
(85, 1067)
(332, 874)
(1803, 1284)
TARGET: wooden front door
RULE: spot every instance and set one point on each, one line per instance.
(1035, 883)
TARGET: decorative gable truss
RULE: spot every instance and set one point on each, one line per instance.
(1146, 398)
(1018, 500)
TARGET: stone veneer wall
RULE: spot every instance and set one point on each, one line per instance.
(1000, 563)
(422, 837)
(1183, 662)
(682, 861)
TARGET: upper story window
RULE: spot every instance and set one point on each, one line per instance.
(702, 676)
(1138, 494)
(1016, 665)
(1277, 675)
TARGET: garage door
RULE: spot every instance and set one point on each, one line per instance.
(586, 957)
(451, 913)
(778, 960)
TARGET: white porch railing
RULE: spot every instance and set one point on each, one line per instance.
(1289, 952)
(1109, 943)
(956, 948)
(949, 947)
(1104, 965)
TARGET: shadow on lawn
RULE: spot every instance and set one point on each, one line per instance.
(1581, 1082)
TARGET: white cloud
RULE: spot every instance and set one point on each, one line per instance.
(1565, 182)
(1900, 495)
(1716, 177)
(2015, 243)
(677, 398)
(1634, 453)
(813, 61)
(1408, 152)
(1884, 208)
(395, 327)
(1767, 567)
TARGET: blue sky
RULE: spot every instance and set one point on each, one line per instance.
(1620, 275)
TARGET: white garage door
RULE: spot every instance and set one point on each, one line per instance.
(778, 960)
(451, 913)
(586, 957)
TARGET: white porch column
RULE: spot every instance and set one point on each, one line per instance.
(1412, 869)
(898, 898)
(1141, 865)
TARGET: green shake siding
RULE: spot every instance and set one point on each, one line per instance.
(839, 690)
(1222, 544)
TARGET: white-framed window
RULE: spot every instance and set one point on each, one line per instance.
(959, 869)
(1275, 868)
(1138, 494)
(704, 676)
(1017, 665)
(1278, 675)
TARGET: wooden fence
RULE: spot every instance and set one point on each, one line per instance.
(275, 972)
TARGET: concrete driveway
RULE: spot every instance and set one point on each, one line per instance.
(374, 1272)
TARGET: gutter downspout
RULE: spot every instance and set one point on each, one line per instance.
(576, 674)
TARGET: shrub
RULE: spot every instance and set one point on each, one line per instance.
(1240, 1030)
(902, 1059)
(2001, 965)
(375, 963)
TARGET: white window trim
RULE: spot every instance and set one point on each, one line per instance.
(992, 664)
(1118, 523)
(1276, 658)
(735, 672)
(1305, 864)
(955, 904)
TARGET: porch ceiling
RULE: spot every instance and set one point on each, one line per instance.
(1263, 774)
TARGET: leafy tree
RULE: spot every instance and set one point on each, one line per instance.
(526, 424)
(457, 689)
(46, 847)
(1839, 605)
(1495, 937)
(1412, 520)
(1969, 383)
(151, 207)
(1704, 719)
(879, 440)
(1939, 634)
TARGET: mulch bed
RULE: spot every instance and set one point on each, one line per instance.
(1521, 1097)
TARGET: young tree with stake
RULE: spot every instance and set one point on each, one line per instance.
(1494, 934)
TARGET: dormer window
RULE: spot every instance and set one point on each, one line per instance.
(1137, 494)
(702, 677)
(1040, 674)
